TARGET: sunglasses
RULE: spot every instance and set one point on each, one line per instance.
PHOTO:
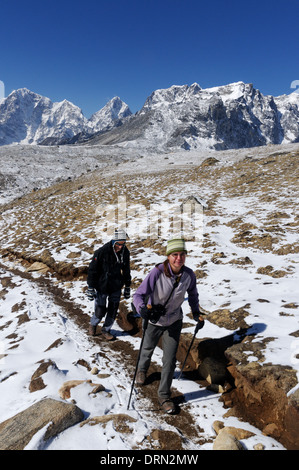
(120, 244)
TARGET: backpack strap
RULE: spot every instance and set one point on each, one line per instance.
(176, 283)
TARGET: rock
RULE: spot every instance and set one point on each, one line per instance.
(37, 382)
(259, 447)
(65, 389)
(98, 388)
(216, 388)
(238, 433)
(94, 371)
(212, 371)
(225, 441)
(261, 396)
(119, 421)
(83, 363)
(271, 430)
(23, 318)
(37, 266)
(16, 432)
(231, 320)
(209, 162)
(47, 259)
(217, 426)
(214, 347)
(36, 385)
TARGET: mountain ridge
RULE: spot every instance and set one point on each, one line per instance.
(230, 116)
(29, 118)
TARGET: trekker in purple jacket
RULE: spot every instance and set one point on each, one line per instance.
(158, 299)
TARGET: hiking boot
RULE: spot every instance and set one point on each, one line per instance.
(140, 377)
(108, 336)
(167, 405)
(92, 330)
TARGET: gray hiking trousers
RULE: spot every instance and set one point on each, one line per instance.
(101, 309)
(170, 341)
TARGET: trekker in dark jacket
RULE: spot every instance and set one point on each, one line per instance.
(108, 272)
(158, 300)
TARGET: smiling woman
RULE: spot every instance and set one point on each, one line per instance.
(158, 300)
(176, 261)
(176, 254)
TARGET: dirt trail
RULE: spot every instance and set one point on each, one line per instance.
(252, 202)
(147, 404)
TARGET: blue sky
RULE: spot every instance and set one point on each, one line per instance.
(90, 51)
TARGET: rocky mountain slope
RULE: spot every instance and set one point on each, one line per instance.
(225, 117)
(242, 372)
(29, 118)
(188, 117)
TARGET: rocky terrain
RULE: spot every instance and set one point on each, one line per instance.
(240, 383)
(226, 117)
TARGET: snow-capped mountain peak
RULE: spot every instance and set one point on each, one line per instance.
(223, 117)
(169, 96)
(115, 109)
(27, 117)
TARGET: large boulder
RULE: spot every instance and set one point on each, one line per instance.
(226, 441)
(264, 394)
(213, 371)
(16, 432)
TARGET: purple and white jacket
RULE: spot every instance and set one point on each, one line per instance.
(156, 288)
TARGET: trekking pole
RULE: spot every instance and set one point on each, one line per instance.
(198, 326)
(143, 334)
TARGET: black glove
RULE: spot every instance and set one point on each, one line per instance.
(145, 312)
(197, 316)
(156, 312)
(91, 293)
(152, 312)
(127, 292)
